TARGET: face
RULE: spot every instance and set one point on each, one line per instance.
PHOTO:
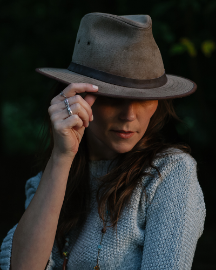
(114, 114)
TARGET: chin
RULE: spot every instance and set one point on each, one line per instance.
(121, 149)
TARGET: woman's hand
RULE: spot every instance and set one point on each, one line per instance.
(68, 130)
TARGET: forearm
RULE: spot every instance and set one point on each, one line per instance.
(35, 233)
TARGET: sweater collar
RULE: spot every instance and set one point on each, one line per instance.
(99, 168)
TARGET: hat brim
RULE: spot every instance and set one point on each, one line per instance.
(175, 87)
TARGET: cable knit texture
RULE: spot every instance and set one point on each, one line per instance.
(154, 232)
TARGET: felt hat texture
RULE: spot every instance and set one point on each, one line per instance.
(119, 55)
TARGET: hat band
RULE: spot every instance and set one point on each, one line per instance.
(117, 80)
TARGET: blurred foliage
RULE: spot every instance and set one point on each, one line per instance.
(42, 34)
(184, 45)
(208, 47)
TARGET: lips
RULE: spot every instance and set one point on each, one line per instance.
(123, 134)
(123, 131)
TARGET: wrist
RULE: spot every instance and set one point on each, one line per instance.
(56, 156)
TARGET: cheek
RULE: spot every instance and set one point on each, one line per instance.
(152, 108)
(147, 112)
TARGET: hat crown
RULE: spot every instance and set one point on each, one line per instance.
(119, 45)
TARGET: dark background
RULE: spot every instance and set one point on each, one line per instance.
(42, 34)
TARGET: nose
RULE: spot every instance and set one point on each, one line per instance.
(127, 111)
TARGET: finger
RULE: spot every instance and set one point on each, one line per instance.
(56, 108)
(77, 99)
(76, 109)
(73, 121)
(74, 88)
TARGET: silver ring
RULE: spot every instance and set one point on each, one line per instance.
(62, 94)
(66, 102)
(69, 111)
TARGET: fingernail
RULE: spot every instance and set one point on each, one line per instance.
(94, 86)
(92, 117)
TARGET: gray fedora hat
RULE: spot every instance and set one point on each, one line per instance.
(120, 56)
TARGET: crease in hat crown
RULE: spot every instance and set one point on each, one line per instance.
(119, 45)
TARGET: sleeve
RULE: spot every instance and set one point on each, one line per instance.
(175, 219)
(31, 187)
(6, 247)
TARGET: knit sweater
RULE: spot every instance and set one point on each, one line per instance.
(154, 232)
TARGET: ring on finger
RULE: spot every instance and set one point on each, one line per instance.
(66, 102)
(69, 111)
(62, 94)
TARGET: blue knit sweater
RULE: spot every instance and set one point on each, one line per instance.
(156, 232)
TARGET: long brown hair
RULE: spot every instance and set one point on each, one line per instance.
(116, 186)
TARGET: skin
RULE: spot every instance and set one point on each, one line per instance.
(118, 114)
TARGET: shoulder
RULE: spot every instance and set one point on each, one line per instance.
(178, 172)
(174, 155)
(174, 160)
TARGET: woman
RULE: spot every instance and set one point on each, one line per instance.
(108, 166)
